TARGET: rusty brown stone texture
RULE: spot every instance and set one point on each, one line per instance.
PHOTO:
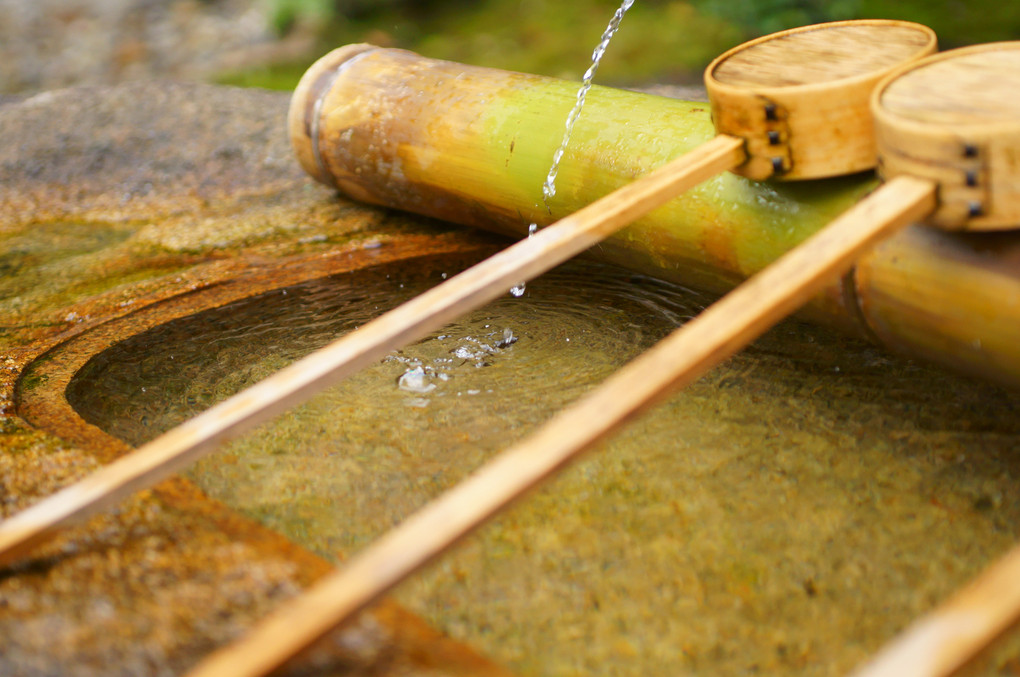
(120, 208)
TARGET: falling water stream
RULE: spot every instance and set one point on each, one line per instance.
(549, 187)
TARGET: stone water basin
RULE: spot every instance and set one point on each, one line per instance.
(788, 513)
(122, 208)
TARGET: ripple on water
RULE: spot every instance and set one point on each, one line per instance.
(575, 326)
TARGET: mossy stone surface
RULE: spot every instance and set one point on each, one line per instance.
(112, 202)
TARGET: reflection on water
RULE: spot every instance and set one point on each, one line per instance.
(787, 513)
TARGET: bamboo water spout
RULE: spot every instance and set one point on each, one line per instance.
(471, 145)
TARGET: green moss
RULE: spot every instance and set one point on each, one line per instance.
(145, 271)
(32, 380)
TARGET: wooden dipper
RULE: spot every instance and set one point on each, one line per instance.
(954, 119)
(800, 98)
(335, 135)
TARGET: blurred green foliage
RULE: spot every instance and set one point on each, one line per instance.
(956, 22)
(285, 14)
(769, 16)
(660, 40)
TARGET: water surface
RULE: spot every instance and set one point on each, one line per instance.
(787, 513)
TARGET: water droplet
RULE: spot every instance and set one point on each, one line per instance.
(464, 353)
(519, 289)
(415, 381)
(508, 338)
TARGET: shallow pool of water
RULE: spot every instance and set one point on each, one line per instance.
(789, 512)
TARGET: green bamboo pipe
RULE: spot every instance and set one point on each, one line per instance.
(473, 145)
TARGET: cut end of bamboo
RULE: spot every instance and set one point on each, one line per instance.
(305, 104)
